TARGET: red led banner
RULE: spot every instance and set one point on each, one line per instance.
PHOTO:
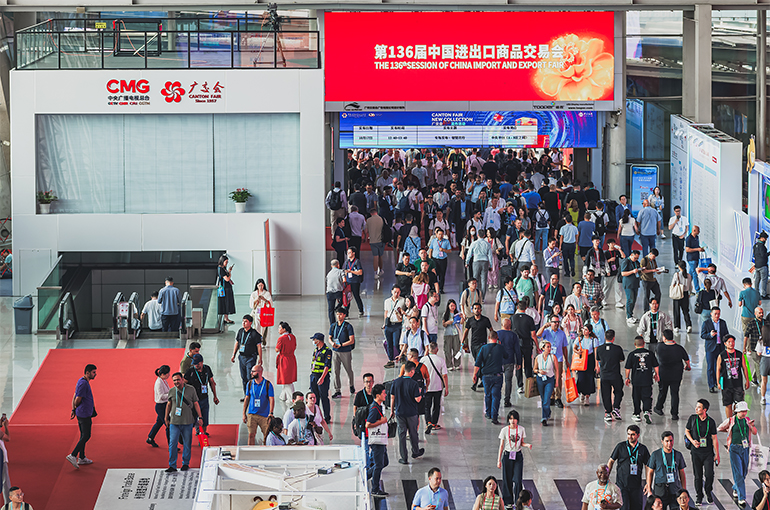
(469, 56)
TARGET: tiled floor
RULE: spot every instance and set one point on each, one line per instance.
(466, 448)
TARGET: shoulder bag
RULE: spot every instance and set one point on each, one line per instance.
(676, 290)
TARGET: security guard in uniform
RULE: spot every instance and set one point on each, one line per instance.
(319, 373)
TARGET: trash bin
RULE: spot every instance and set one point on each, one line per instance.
(22, 311)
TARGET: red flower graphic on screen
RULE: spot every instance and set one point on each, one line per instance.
(173, 92)
(584, 71)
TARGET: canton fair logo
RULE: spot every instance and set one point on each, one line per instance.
(173, 92)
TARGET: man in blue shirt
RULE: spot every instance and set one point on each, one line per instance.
(558, 340)
(692, 250)
(748, 300)
(343, 340)
(432, 496)
(438, 250)
(83, 409)
(586, 230)
(621, 208)
(259, 404)
(649, 227)
(489, 364)
(532, 197)
(567, 238)
(168, 299)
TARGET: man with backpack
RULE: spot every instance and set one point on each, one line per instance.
(337, 203)
(599, 218)
(542, 227)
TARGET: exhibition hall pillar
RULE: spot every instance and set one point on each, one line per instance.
(696, 64)
(615, 175)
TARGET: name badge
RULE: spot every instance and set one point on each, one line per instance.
(703, 442)
(669, 477)
(256, 402)
(745, 443)
(178, 411)
(350, 275)
(550, 303)
(243, 347)
(512, 455)
(634, 469)
(204, 390)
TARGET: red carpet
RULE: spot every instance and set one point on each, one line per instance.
(42, 433)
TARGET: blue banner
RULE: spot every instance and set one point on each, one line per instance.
(644, 178)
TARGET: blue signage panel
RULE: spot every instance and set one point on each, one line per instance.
(570, 129)
(644, 178)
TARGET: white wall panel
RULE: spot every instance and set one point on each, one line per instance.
(297, 238)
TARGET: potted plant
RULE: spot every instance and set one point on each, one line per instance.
(44, 198)
(240, 197)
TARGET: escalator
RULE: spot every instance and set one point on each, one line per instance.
(100, 296)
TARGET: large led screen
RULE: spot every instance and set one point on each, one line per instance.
(469, 56)
(467, 129)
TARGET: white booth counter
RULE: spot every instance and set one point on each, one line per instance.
(296, 477)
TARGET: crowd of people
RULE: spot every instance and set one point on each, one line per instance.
(548, 255)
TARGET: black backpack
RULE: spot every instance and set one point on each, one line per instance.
(599, 227)
(359, 420)
(609, 208)
(387, 232)
(542, 222)
(335, 200)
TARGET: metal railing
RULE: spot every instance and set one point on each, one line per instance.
(68, 321)
(149, 44)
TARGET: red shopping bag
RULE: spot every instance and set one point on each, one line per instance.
(266, 316)
(203, 439)
(347, 296)
(580, 361)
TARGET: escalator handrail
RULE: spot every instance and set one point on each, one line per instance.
(118, 298)
(63, 304)
(133, 311)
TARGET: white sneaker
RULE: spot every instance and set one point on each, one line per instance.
(764, 402)
(73, 460)
(662, 236)
(676, 330)
(85, 460)
(620, 305)
(689, 329)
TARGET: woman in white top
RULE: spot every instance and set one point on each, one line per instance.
(682, 305)
(510, 459)
(571, 324)
(161, 398)
(259, 299)
(627, 229)
(312, 409)
(547, 371)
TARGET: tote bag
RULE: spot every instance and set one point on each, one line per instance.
(758, 456)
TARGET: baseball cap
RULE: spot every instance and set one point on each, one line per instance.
(317, 336)
(741, 406)
(763, 235)
(197, 359)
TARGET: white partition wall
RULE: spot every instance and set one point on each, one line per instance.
(144, 161)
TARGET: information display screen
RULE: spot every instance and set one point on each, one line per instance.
(468, 129)
(469, 56)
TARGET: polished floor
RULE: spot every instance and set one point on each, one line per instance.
(564, 456)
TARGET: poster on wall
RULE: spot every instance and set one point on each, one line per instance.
(400, 56)
(680, 183)
(644, 178)
(467, 129)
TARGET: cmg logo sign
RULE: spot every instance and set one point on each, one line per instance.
(134, 86)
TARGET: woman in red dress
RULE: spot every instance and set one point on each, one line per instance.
(286, 363)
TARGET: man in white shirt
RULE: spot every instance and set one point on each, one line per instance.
(438, 382)
(151, 310)
(679, 227)
(523, 252)
(357, 223)
(334, 286)
(429, 314)
(420, 172)
(717, 283)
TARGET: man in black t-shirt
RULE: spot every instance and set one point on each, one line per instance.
(673, 361)
(731, 375)
(201, 378)
(553, 294)
(248, 348)
(477, 326)
(641, 369)
(761, 499)
(609, 357)
(405, 395)
(525, 328)
(631, 457)
(701, 432)
(405, 272)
